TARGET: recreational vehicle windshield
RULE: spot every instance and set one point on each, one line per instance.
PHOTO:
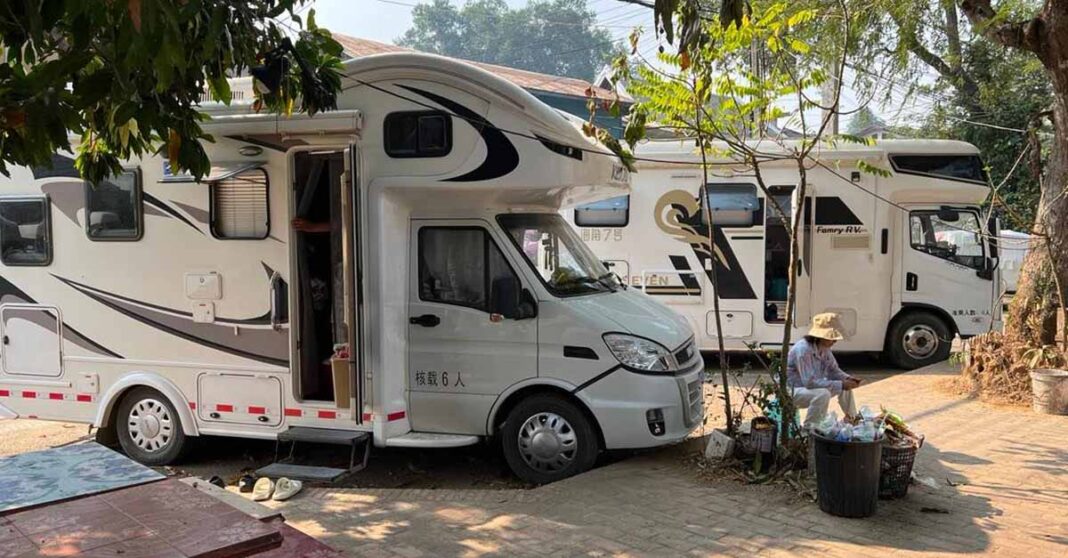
(906, 260)
(394, 272)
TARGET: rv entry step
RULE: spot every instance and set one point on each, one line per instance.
(287, 467)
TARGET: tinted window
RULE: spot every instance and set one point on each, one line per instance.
(25, 238)
(956, 167)
(463, 266)
(613, 212)
(239, 206)
(957, 240)
(114, 208)
(418, 134)
(732, 205)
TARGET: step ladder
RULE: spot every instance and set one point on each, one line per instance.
(287, 468)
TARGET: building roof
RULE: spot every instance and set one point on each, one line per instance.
(531, 81)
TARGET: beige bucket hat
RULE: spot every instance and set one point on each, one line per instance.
(826, 326)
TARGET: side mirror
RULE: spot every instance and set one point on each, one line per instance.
(511, 300)
(528, 307)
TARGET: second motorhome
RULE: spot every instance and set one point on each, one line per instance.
(906, 260)
(395, 272)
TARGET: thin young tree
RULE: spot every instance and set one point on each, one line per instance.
(735, 111)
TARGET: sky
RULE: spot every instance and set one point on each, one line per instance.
(386, 20)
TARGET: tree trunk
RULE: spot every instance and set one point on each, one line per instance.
(1044, 276)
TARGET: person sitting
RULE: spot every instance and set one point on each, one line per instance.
(813, 374)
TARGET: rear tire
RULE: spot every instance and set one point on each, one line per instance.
(149, 428)
(547, 438)
(918, 339)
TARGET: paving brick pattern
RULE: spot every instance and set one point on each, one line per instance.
(1009, 467)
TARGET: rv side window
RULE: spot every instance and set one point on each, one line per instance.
(25, 231)
(464, 266)
(239, 206)
(114, 208)
(968, 168)
(418, 134)
(958, 241)
(613, 212)
(732, 205)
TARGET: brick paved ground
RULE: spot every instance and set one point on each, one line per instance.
(1012, 499)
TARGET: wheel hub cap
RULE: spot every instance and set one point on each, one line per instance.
(920, 341)
(547, 442)
(150, 425)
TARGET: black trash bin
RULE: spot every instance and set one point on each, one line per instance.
(847, 476)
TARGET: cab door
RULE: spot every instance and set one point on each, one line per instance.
(803, 268)
(469, 336)
(945, 264)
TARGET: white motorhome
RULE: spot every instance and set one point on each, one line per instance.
(418, 225)
(903, 259)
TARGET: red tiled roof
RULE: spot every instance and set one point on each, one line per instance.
(356, 47)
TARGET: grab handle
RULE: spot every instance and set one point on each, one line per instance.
(278, 301)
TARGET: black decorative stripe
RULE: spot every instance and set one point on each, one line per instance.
(7, 288)
(258, 320)
(587, 353)
(831, 210)
(200, 340)
(596, 378)
(156, 203)
(501, 156)
(689, 280)
(747, 238)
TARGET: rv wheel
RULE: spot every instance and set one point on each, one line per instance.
(547, 438)
(149, 428)
(918, 339)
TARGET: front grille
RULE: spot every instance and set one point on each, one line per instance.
(695, 401)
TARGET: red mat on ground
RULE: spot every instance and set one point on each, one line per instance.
(296, 544)
(159, 520)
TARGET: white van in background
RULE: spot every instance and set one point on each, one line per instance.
(905, 260)
(395, 272)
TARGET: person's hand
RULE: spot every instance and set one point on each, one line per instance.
(299, 224)
(850, 383)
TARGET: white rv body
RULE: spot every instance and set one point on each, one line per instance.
(875, 249)
(219, 327)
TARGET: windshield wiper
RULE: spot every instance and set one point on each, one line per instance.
(603, 279)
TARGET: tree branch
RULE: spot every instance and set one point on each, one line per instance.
(1026, 35)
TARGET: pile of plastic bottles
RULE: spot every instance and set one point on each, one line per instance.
(865, 427)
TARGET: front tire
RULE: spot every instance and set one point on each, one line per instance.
(918, 339)
(547, 438)
(149, 428)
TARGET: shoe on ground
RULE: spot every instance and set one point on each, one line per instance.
(263, 489)
(286, 489)
(245, 483)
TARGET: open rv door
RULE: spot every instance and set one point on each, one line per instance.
(803, 275)
(353, 292)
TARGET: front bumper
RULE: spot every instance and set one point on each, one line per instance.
(622, 400)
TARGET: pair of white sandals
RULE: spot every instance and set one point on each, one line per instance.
(284, 489)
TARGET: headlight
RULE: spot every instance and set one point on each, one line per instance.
(639, 353)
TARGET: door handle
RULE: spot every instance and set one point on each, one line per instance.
(426, 320)
(911, 282)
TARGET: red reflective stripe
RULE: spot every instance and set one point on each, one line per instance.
(293, 412)
(257, 410)
(327, 414)
(192, 406)
(367, 417)
(83, 398)
(222, 408)
(29, 394)
(55, 396)
(5, 393)
(395, 416)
